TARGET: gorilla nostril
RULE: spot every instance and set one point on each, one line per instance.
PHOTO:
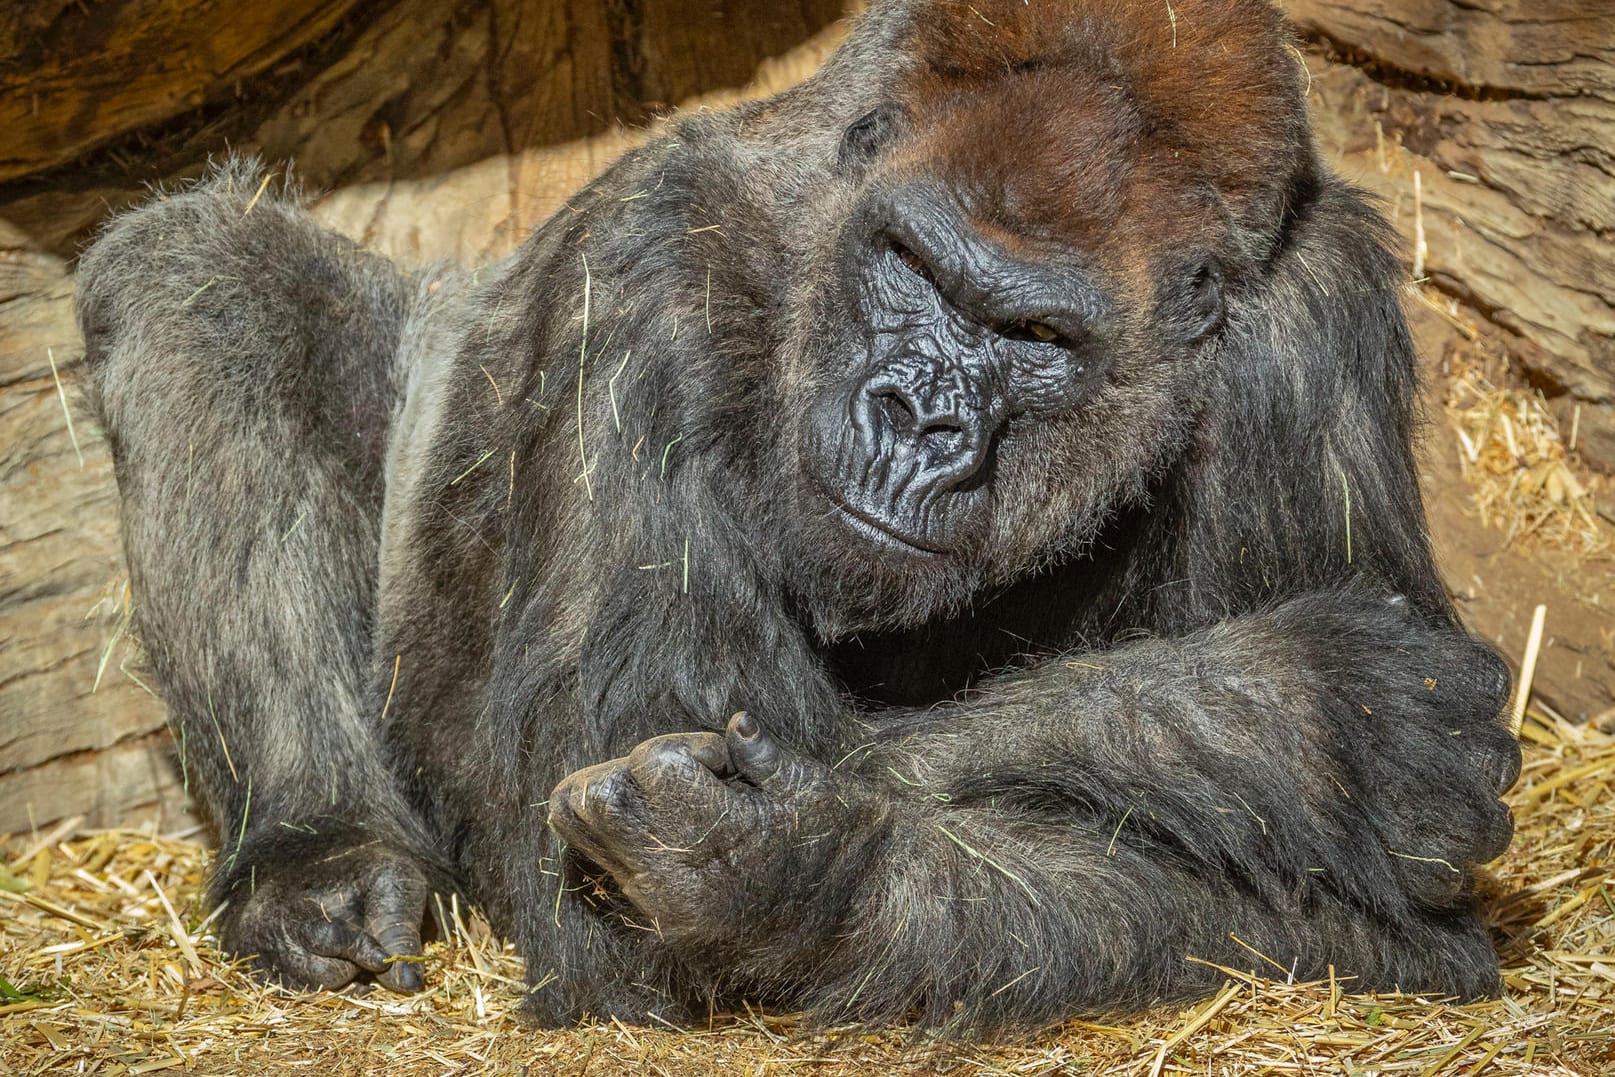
(940, 435)
(942, 428)
(897, 409)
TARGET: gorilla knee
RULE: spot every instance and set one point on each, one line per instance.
(232, 286)
(124, 305)
(156, 259)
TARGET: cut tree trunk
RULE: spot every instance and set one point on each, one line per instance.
(1504, 110)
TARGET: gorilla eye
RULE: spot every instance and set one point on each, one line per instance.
(1041, 332)
(914, 262)
(867, 136)
(1198, 305)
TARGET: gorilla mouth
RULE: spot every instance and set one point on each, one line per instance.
(884, 534)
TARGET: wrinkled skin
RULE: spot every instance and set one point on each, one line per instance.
(685, 822)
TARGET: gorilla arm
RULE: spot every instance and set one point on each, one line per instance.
(1067, 839)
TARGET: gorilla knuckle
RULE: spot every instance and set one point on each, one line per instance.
(1494, 681)
(1497, 757)
(607, 796)
(661, 757)
(1496, 834)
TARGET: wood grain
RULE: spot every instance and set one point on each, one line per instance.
(1506, 110)
(400, 89)
(75, 727)
(73, 76)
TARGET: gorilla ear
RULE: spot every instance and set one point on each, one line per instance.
(1191, 303)
(868, 135)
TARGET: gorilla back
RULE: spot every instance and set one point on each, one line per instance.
(941, 542)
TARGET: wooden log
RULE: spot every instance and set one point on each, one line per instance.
(76, 728)
(73, 76)
(1525, 48)
(398, 88)
(1506, 111)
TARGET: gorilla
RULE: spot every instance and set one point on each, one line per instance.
(938, 544)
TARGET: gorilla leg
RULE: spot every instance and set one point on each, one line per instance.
(242, 360)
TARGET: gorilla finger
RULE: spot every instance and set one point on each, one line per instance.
(1502, 764)
(404, 972)
(1432, 881)
(337, 938)
(1496, 834)
(393, 914)
(756, 755)
(296, 969)
(689, 756)
(589, 807)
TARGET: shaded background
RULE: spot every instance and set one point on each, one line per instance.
(431, 129)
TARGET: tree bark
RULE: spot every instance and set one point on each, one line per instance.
(97, 101)
(1505, 111)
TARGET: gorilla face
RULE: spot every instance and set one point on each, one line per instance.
(958, 338)
(996, 373)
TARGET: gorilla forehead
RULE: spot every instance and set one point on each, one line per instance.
(1068, 114)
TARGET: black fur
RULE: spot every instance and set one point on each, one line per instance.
(1048, 509)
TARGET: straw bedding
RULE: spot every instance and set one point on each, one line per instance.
(109, 967)
(1522, 473)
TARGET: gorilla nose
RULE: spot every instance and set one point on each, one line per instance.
(947, 435)
(912, 419)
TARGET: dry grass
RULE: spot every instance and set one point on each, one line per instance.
(1524, 478)
(109, 968)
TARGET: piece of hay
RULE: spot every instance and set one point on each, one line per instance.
(1522, 690)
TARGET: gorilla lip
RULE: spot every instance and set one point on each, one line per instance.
(885, 536)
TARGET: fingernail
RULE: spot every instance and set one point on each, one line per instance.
(745, 726)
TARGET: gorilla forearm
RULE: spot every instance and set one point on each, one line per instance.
(987, 918)
(1338, 740)
(1317, 781)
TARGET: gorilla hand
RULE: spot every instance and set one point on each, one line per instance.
(316, 910)
(725, 841)
(1412, 738)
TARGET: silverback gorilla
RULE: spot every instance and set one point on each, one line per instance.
(940, 543)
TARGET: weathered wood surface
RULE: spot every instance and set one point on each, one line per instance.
(1505, 109)
(358, 91)
(68, 744)
(73, 77)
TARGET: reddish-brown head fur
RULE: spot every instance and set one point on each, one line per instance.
(1076, 119)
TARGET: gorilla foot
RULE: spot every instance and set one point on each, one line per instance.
(318, 917)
